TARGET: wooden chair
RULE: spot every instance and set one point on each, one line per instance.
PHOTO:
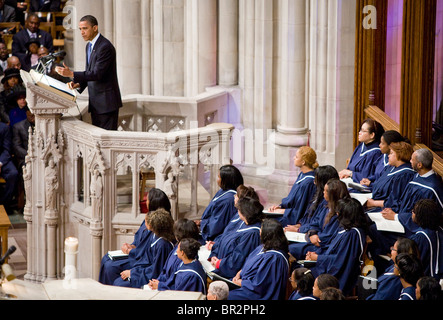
(48, 27)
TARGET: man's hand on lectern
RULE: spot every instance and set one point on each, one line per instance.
(64, 71)
(72, 85)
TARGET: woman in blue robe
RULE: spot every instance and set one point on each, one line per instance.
(221, 209)
(229, 253)
(389, 285)
(157, 248)
(111, 269)
(409, 269)
(318, 205)
(363, 160)
(294, 206)
(302, 281)
(325, 226)
(190, 275)
(343, 259)
(388, 189)
(429, 237)
(183, 228)
(264, 275)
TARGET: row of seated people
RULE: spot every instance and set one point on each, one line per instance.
(14, 11)
(254, 252)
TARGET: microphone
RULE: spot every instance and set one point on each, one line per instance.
(52, 56)
(10, 251)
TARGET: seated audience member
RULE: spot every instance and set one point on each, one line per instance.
(409, 269)
(183, 228)
(322, 282)
(45, 6)
(221, 209)
(20, 8)
(7, 13)
(332, 294)
(386, 139)
(12, 82)
(389, 187)
(388, 284)
(425, 185)
(318, 206)
(7, 168)
(265, 273)
(14, 63)
(156, 251)
(324, 227)
(190, 275)
(231, 249)
(16, 100)
(31, 31)
(218, 290)
(297, 202)
(110, 269)
(428, 288)
(302, 281)
(343, 258)
(4, 55)
(429, 237)
(363, 160)
(30, 60)
(20, 137)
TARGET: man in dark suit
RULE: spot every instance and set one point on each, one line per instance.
(7, 167)
(20, 137)
(31, 31)
(100, 76)
(45, 5)
(7, 13)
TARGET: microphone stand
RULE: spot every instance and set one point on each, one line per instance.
(41, 67)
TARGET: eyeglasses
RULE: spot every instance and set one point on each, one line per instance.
(364, 131)
(393, 249)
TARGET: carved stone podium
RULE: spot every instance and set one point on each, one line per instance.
(44, 211)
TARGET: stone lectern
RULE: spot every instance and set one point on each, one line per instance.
(44, 210)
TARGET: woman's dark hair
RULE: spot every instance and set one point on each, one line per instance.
(351, 214)
(391, 136)
(161, 223)
(376, 128)
(336, 190)
(158, 199)
(406, 245)
(332, 293)
(430, 289)
(326, 280)
(184, 228)
(322, 175)
(305, 281)
(230, 177)
(190, 247)
(273, 236)
(251, 209)
(244, 191)
(409, 267)
(427, 214)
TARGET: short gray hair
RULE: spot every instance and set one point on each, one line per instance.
(425, 157)
(220, 289)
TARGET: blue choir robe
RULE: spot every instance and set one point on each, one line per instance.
(363, 161)
(381, 163)
(343, 259)
(217, 214)
(110, 269)
(392, 183)
(408, 294)
(430, 245)
(264, 276)
(389, 286)
(326, 233)
(311, 218)
(298, 199)
(233, 225)
(171, 266)
(188, 277)
(234, 247)
(150, 265)
(296, 295)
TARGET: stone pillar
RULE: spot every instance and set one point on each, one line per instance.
(200, 46)
(228, 42)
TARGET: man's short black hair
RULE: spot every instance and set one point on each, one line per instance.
(91, 19)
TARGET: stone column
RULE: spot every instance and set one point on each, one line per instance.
(228, 42)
